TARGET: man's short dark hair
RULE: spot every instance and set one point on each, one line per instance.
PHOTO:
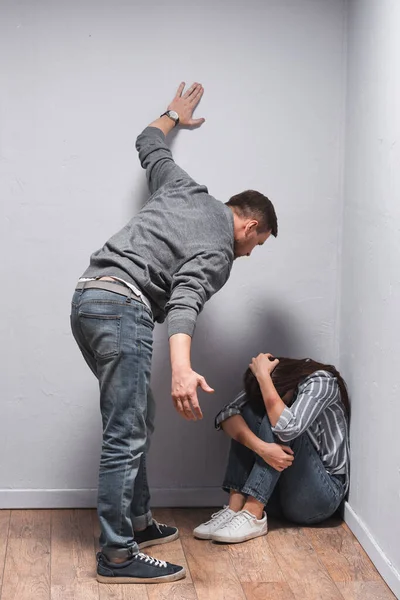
(254, 205)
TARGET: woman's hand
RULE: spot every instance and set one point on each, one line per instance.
(277, 456)
(262, 366)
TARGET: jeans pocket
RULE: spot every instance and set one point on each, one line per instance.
(102, 333)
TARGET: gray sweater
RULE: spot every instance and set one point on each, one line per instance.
(178, 249)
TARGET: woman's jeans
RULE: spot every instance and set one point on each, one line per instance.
(303, 493)
(115, 336)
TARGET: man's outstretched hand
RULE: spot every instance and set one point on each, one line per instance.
(185, 103)
(184, 393)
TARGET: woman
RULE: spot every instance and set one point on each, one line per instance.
(289, 450)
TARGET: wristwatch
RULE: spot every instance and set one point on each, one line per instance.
(172, 115)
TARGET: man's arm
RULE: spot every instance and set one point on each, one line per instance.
(184, 380)
(154, 154)
(192, 286)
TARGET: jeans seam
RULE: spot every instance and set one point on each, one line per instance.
(127, 465)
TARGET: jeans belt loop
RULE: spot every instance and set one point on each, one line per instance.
(83, 287)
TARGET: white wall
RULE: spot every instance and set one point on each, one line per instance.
(79, 81)
(370, 321)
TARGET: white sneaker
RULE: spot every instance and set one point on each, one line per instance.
(218, 519)
(240, 528)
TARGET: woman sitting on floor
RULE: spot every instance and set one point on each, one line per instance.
(289, 450)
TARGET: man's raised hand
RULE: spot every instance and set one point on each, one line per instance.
(185, 103)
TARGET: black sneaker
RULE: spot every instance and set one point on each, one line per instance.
(140, 568)
(156, 533)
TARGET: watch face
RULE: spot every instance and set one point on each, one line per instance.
(174, 115)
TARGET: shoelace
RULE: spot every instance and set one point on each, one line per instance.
(216, 516)
(237, 521)
(159, 525)
(149, 559)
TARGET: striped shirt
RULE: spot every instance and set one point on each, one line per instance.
(317, 410)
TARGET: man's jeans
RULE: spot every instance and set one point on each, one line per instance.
(303, 493)
(115, 336)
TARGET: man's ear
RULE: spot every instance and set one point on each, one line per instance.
(251, 227)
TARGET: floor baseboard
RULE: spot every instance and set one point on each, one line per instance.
(374, 551)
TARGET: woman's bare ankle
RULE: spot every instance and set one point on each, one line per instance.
(236, 501)
(254, 507)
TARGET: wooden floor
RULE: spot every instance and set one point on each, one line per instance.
(50, 554)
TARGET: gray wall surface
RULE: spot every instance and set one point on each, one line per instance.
(79, 81)
(370, 295)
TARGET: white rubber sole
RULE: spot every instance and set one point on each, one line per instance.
(165, 540)
(237, 540)
(166, 578)
(202, 536)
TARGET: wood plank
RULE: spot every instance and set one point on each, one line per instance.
(27, 565)
(172, 591)
(212, 570)
(341, 553)
(299, 562)
(125, 591)
(30, 524)
(254, 561)
(365, 590)
(267, 591)
(4, 528)
(73, 562)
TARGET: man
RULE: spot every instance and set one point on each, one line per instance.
(165, 263)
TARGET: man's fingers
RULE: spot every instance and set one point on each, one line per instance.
(180, 90)
(188, 409)
(190, 90)
(183, 408)
(287, 449)
(196, 406)
(179, 407)
(195, 97)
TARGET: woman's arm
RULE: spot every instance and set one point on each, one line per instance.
(315, 394)
(237, 428)
(262, 368)
(277, 456)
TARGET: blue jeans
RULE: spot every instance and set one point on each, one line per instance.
(115, 336)
(303, 493)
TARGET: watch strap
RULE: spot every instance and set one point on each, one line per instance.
(167, 113)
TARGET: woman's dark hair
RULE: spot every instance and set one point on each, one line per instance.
(287, 375)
